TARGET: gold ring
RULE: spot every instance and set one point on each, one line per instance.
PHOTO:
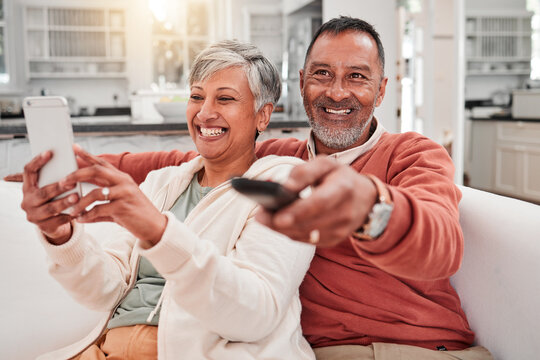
(105, 192)
(314, 236)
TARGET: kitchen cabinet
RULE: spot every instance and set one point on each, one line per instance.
(74, 42)
(505, 158)
(498, 43)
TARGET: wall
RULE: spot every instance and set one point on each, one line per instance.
(383, 17)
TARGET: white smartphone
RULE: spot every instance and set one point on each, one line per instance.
(48, 124)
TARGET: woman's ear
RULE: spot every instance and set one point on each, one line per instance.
(263, 116)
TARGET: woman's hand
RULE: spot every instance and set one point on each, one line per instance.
(126, 204)
(38, 204)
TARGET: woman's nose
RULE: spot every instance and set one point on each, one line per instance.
(207, 111)
(337, 90)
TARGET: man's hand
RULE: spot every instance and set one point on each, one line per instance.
(17, 177)
(339, 203)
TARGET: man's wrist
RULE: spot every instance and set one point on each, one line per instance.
(379, 215)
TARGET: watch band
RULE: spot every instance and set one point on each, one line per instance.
(384, 198)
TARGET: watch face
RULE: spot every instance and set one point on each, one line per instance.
(378, 219)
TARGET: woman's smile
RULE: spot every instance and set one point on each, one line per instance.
(211, 132)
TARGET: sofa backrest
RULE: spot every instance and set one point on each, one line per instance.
(499, 281)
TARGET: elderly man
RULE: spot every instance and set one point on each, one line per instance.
(383, 212)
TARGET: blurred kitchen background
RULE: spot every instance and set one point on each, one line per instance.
(465, 73)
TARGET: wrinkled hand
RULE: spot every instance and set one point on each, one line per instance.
(126, 206)
(338, 205)
(38, 204)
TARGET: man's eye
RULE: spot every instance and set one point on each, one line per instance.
(321, 72)
(357, 76)
(226, 98)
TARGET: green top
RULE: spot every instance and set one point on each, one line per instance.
(144, 296)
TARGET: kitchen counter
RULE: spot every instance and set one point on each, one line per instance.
(115, 134)
(504, 118)
(122, 125)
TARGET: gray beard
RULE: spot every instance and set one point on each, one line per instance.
(339, 139)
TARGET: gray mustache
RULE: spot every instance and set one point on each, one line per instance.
(346, 103)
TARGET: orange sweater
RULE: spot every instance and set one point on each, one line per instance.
(395, 289)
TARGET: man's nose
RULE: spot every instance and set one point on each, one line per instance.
(338, 90)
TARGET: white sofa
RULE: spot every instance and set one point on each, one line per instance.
(499, 282)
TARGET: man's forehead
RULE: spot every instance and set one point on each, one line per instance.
(348, 48)
(347, 40)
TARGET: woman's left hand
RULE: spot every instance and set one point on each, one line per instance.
(126, 206)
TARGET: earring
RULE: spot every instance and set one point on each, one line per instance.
(259, 132)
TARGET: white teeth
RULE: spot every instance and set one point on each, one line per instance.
(339, 112)
(212, 131)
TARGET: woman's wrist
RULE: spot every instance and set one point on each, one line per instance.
(61, 236)
(158, 229)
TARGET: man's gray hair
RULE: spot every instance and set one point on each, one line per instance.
(263, 77)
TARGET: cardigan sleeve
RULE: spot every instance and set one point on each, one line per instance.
(423, 239)
(95, 276)
(242, 296)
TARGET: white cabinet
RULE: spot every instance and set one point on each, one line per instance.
(498, 43)
(74, 42)
(505, 158)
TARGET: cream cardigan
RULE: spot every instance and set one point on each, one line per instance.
(232, 284)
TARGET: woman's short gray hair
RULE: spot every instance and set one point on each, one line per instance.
(263, 77)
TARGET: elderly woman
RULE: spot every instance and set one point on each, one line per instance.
(190, 274)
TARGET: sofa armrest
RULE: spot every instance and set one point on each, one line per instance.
(37, 314)
(499, 281)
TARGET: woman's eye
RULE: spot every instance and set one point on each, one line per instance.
(226, 98)
(196, 97)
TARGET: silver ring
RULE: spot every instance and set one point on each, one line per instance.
(314, 236)
(106, 192)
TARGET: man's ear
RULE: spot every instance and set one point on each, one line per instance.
(382, 91)
(302, 82)
(263, 116)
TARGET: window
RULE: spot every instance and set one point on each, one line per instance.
(181, 29)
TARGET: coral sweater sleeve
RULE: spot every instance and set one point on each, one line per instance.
(138, 165)
(423, 239)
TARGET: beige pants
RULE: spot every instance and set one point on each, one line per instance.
(137, 342)
(382, 351)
